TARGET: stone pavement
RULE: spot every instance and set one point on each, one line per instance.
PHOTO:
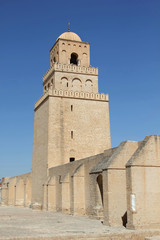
(23, 223)
(153, 238)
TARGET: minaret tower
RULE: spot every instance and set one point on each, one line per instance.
(71, 118)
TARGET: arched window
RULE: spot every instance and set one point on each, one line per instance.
(88, 85)
(64, 83)
(76, 84)
(74, 59)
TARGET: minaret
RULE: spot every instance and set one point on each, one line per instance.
(71, 118)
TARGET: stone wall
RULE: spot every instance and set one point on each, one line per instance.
(40, 153)
(121, 186)
(16, 191)
(68, 126)
(62, 49)
(71, 186)
(143, 185)
(71, 78)
(101, 186)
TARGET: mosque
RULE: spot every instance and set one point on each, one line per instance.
(74, 169)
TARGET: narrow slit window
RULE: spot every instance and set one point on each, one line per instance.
(72, 134)
(71, 108)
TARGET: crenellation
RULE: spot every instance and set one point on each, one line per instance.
(69, 68)
(70, 94)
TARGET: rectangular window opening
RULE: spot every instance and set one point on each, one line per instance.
(72, 134)
(71, 108)
(72, 159)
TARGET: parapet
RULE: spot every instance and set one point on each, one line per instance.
(70, 68)
(70, 94)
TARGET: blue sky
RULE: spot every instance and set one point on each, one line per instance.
(125, 46)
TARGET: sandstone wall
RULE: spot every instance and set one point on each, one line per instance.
(40, 153)
(16, 191)
(69, 186)
(68, 126)
(143, 185)
(91, 131)
(114, 187)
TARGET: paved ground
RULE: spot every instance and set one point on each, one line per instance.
(23, 223)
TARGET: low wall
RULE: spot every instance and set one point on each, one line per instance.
(16, 191)
(72, 183)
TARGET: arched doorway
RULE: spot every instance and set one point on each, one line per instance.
(98, 209)
(100, 186)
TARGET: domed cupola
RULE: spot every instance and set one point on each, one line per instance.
(70, 36)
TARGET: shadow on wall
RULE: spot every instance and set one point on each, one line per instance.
(100, 185)
(124, 219)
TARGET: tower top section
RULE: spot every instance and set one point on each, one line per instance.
(70, 68)
(70, 36)
(69, 49)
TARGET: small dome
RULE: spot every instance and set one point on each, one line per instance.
(70, 36)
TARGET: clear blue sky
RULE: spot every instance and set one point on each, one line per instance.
(125, 46)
